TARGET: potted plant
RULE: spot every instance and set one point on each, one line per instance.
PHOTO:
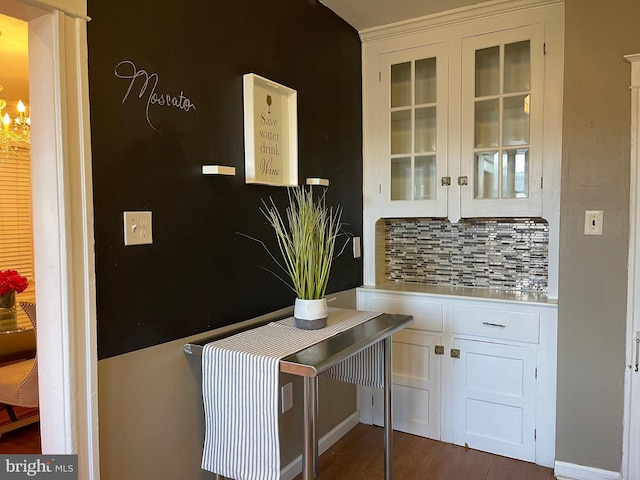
(306, 237)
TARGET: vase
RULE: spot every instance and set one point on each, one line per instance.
(8, 313)
(310, 314)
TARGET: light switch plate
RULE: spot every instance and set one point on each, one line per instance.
(593, 222)
(357, 253)
(137, 228)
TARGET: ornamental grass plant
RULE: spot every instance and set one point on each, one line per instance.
(306, 235)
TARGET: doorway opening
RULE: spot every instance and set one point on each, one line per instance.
(62, 204)
(17, 273)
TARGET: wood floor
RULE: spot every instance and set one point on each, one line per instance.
(22, 440)
(359, 455)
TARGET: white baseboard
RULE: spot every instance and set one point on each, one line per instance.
(570, 471)
(295, 467)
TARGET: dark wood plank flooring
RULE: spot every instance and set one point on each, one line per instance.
(22, 440)
(359, 455)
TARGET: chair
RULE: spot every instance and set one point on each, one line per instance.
(19, 383)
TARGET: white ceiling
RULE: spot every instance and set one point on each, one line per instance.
(366, 14)
(14, 63)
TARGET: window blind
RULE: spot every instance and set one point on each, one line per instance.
(16, 237)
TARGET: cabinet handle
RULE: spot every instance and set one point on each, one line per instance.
(494, 324)
(637, 351)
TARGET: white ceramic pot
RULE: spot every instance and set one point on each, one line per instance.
(310, 314)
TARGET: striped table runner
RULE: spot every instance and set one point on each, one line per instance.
(240, 377)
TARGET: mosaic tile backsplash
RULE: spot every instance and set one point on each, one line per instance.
(505, 254)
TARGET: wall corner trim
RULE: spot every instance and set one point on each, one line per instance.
(571, 471)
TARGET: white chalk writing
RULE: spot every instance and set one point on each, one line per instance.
(127, 69)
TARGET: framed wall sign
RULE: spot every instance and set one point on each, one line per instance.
(270, 132)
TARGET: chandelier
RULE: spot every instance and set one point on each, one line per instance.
(15, 134)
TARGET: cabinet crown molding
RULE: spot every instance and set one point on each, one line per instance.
(453, 17)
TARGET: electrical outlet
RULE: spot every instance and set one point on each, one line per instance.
(287, 397)
(137, 228)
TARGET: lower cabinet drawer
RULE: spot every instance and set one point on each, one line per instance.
(499, 324)
(426, 315)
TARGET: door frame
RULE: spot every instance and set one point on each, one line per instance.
(631, 440)
(63, 227)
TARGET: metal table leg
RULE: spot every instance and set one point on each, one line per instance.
(315, 427)
(310, 450)
(307, 452)
(388, 427)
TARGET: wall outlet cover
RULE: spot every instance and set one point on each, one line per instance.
(287, 397)
(137, 228)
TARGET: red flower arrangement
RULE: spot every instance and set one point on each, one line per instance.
(11, 280)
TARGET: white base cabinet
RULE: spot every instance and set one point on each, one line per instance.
(416, 385)
(494, 391)
(469, 371)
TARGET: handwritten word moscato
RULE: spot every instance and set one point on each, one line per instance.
(127, 69)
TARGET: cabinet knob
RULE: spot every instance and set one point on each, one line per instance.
(455, 353)
(445, 181)
(463, 181)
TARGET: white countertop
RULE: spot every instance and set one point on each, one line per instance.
(464, 292)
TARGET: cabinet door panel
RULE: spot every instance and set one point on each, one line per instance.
(416, 385)
(411, 412)
(500, 423)
(412, 357)
(495, 398)
(502, 131)
(413, 132)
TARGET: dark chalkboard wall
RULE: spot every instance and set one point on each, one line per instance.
(199, 274)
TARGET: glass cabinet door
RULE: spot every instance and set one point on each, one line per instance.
(501, 102)
(414, 112)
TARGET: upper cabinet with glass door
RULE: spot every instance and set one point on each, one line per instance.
(501, 157)
(469, 99)
(414, 112)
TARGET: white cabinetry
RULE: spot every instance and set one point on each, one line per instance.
(416, 381)
(455, 113)
(502, 129)
(494, 378)
(463, 116)
(494, 391)
(471, 371)
(413, 91)
(416, 365)
(499, 127)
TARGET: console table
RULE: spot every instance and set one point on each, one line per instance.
(320, 357)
